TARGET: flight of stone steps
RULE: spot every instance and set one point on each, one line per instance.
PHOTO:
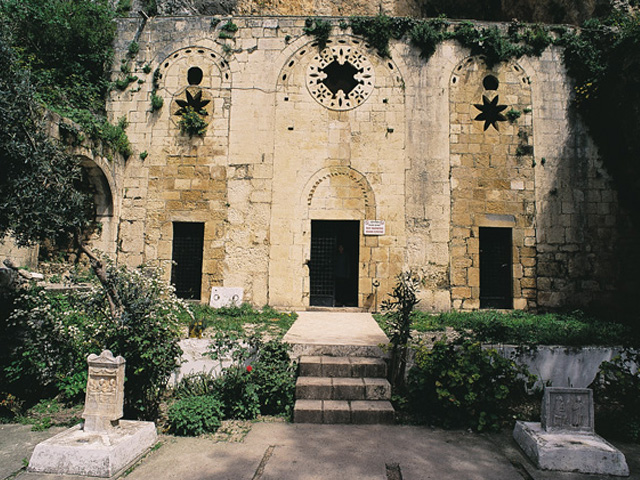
(342, 390)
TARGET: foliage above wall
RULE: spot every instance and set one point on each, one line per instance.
(603, 57)
(68, 48)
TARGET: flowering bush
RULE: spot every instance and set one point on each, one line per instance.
(48, 338)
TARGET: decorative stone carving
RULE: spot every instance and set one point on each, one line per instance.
(340, 77)
(105, 392)
(565, 440)
(567, 409)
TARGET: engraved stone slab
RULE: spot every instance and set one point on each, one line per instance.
(105, 392)
(569, 409)
(226, 297)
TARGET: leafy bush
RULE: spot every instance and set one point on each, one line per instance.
(191, 123)
(260, 380)
(398, 319)
(617, 397)
(461, 385)
(194, 416)
(320, 29)
(48, 337)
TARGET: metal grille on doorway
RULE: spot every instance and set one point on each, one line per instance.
(322, 281)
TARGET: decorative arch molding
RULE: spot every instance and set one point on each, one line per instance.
(346, 172)
(476, 62)
(194, 55)
(306, 54)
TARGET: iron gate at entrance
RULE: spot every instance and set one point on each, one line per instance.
(333, 267)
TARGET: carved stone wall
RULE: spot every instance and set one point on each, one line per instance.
(296, 134)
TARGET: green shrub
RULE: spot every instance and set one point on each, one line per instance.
(191, 123)
(47, 339)
(156, 102)
(617, 397)
(320, 29)
(194, 416)
(261, 379)
(461, 385)
(398, 319)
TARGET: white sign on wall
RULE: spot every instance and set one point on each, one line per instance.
(374, 227)
(226, 297)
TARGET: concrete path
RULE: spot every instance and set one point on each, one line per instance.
(285, 451)
(328, 332)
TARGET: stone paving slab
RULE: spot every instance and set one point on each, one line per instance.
(336, 328)
(284, 451)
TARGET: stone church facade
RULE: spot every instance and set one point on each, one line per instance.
(323, 173)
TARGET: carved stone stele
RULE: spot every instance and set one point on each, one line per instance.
(105, 392)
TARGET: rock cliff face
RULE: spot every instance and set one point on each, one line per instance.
(544, 11)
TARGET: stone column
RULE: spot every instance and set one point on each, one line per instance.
(105, 392)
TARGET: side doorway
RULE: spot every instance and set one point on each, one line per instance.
(496, 278)
(333, 267)
(186, 271)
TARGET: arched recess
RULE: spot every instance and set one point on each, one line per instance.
(492, 231)
(337, 192)
(104, 239)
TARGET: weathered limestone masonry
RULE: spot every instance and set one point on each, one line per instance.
(435, 149)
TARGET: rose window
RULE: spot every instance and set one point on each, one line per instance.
(340, 77)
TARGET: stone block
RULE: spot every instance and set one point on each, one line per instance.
(569, 451)
(307, 411)
(372, 412)
(310, 366)
(348, 389)
(377, 389)
(94, 454)
(336, 367)
(567, 409)
(226, 296)
(314, 388)
(336, 411)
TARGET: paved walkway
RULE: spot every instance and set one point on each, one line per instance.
(285, 451)
(335, 328)
(336, 333)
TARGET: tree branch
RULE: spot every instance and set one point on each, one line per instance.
(115, 305)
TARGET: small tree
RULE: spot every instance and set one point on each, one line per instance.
(398, 317)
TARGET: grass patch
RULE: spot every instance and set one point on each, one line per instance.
(242, 319)
(51, 412)
(518, 327)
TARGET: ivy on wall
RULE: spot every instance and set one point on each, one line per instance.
(602, 57)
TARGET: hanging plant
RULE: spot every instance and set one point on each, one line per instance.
(191, 122)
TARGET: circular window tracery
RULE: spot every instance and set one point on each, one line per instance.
(340, 77)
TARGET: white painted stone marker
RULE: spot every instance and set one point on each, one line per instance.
(104, 445)
(565, 440)
(226, 297)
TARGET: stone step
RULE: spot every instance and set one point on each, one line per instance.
(343, 411)
(341, 388)
(354, 367)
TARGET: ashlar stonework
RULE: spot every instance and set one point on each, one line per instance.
(481, 174)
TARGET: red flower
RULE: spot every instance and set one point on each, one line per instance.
(249, 368)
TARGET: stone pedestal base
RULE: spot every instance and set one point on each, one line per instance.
(569, 451)
(94, 454)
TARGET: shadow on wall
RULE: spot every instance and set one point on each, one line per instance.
(586, 255)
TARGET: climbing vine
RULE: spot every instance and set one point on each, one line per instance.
(603, 58)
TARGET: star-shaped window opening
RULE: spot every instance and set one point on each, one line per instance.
(194, 102)
(340, 77)
(490, 112)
